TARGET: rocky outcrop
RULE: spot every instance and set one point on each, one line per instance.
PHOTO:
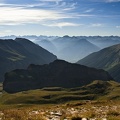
(56, 74)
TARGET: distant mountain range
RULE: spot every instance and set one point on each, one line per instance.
(22, 52)
(19, 53)
(107, 59)
(73, 48)
(103, 42)
(56, 74)
(48, 45)
(69, 48)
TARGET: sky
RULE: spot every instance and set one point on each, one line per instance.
(60, 17)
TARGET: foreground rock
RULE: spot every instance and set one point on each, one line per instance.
(58, 73)
(90, 110)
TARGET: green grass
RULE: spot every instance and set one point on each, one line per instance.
(14, 55)
(1, 87)
(112, 91)
(87, 101)
(13, 58)
(98, 90)
(84, 109)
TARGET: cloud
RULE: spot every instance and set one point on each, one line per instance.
(51, 0)
(107, 1)
(96, 25)
(85, 15)
(63, 24)
(22, 6)
(56, 1)
(19, 15)
(117, 26)
(89, 10)
(14, 14)
(112, 0)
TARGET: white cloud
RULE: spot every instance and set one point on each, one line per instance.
(63, 24)
(89, 10)
(56, 1)
(22, 6)
(112, 0)
(85, 15)
(51, 0)
(22, 14)
(117, 26)
(18, 15)
(108, 1)
(97, 25)
(59, 4)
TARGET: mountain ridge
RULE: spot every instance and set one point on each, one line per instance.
(65, 47)
(56, 74)
(106, 59)
(13, 55)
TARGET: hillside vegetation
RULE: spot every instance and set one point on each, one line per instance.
(1, 87)
(104, 90)
(115, 72)
(99, 100)
(19, 53)
(107, 59)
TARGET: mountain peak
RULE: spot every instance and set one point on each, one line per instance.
(21, 40)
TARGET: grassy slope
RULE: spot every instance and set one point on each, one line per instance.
(94, 91)
(101, 108)
(103, 59)
(115, 72)
(97, 110)
(0, 87)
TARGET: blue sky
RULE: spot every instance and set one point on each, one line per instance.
(60, 17)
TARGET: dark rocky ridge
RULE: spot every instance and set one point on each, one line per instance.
(56, 74)
(19, 53)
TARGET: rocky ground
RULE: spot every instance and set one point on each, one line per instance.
(77, 111)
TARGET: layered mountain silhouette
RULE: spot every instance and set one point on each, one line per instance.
(103, 42)
(19, 53)
(48, 45)
(107, 59)
(65, 47)
(56, 74)
(69, 48)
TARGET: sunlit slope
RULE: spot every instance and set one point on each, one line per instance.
(107, 59)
